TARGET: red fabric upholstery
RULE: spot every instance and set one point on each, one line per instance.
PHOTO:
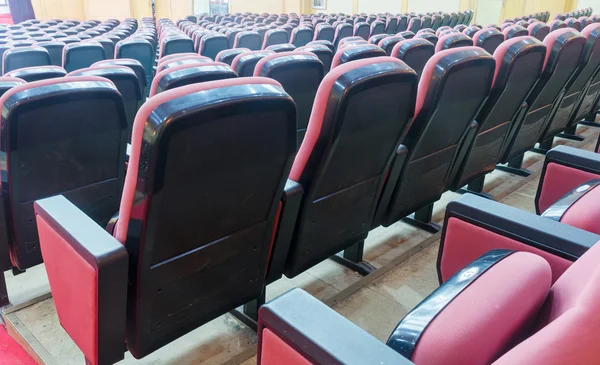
(550, 39)
(162, 73)
(261, 63)
(11, 352)
(585, 212)
(74, 285)
(275, 351)
(465, 242)
(558, 181)
(318, 112)
(569, 319)
(490, 315)
(120, 232)
(501, 51)
(443, 38)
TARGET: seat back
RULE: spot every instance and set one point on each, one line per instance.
(126, 82)
(357, 52)
(377, 27)
(426, 22)
(182, 75)
(21, 57)
(414, 24)
(275, 36)
(232, 124)
(324, 32)
(391, 25)
(244, 63)
(324, 54)
(519, 63)
(248, 39)
(470, 31)
(300, 73)
(342, 31)
(55, 50)
(565, 49)
(414, 52)
(429, 37)
(436, 21)
(135, 65)
(227, 56)
(301, 36)
(140, 50)
(573, 23)
(377, 38)
(284, 47)
(212, 44)
(488, 39)
(362, 29)
(445, 20)
(514, 31)
(453, 87)
(453, 40)
(54, 145)
(578, 85)
(82, 55)
(538, 30)
(556, 24)
(361, 112)
(173, 44)
(388, 43)
(37, 73)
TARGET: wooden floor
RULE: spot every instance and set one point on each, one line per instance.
(404, 257)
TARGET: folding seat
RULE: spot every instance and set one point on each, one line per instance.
(377, 27)
(538, 30)
(573, 23)
(454, 86)
(190, 74)
(519, 63)
(584, 21)
(173, 44)
(453, 20)
(301, 36)
(324, 32)
(244, 63)
(356, 52)
(135, 65)
(66, 136)
(461, 18)
(377, 38)
(426, 22)
(426, 30)
(576, 87)
(436, 21)
(442, 29)
(488, 39)
(185, 60)
(300, 73)
(428, 36)
(363, 30)
(460, 27)
(363, 135)
(565, 50)
(453, 40)
(468, 17)
(448, 31)
(323, 52)
(349, 40)
(414, 52)
(138, 49)
(470, 31)
(227, 56)
(514, 31)
(26, 43)
(194, 120)
(402, 23)
(493, 26)
(322, 43)
(388, 43)
(445, 20)
(406, 34)
(22, 57)
(342, 31)
(81, 55)
(37, 73)
(83, 37)
(414, 25)
(556, 24)
(275, 36)
(391, 25)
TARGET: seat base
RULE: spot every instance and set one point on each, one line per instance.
(422, 220)
(4, 301)
(476, 187)
(352, 258)
(248, 313)
(544, 146)
(590, 123)
(514, 167)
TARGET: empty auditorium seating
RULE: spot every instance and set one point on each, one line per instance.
(344, 156)
(190, 74)
(284, 47)
(363, 30)
(275, 36)
(227, 56)
(21, 57)
(300, 36)
(488, 39)
(514, 31)
(355, 52)
(519, 65)
(323, 52)
(169, 289)
(300, 74)
(388, 43)
(137, 49)
(538, 30)
(324, 32)
(454, 85)
(135, 65)
(414, 52)
(37, 73)
(81, 55)
(243, 64)
(565, 48)
(453, 40)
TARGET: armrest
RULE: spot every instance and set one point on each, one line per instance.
(87, 270)
(475, 225)
(565, 168)
(286, 223)
(464, 147)
(298, 326)
(389, 185)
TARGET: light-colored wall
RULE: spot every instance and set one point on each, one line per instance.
(594, 4)
(380, 6)
(423, 6)
(256, 6)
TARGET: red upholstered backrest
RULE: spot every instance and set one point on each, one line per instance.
(568, 322)
(501, 51)
(492, 313)
(551, 39)
(156, 80)
(131, 177)
(274, 351)
(558, 181)
(261, 63)
(237, 58)
(585, 212)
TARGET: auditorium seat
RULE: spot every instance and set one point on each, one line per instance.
(81, 55)
(442, 29)
(430, 37)
(227, 56)
(284, 47)
(135, 65)
(414, 24)
(176, 61)
(556, 24)
(354, 129)
(190, 74)
(406, 34)
(300, 36)
(170, 286)
(470, 31)
(538, 30)
(377, 27)
(37, 73)
(514, 31)
(21, 57)
(126, 82)
(173, 44)
(519, 65)
(377, 38)
(414, 52)
(300, 73)
(391, 25)
(244, 63)
(362, 29)
(576, 87)
(426, 22)
(388, 43)
(355, 52)
(488, 39)
(573, 23)
(67, 136)
(565, 49)
(453, 87)
(137, 49)
(324, 32)
(453, 40)
(212, 44)
(275, 36)
(323, 52)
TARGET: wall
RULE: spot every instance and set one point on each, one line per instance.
(338, 6)
(380, 6)
(423, 6)
(107, 9)
(594, 4)
(256, 6)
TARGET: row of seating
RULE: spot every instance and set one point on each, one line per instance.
(574, 14)
(513, 285)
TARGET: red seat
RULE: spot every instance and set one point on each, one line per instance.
(538, 30)
(21, 57)
(182, 75)
(348, 53)
(211, 44)
(301, 36)
(388, 43)
(414, 52)
(227, 56)
(244, 63)
(514, 31)
(488, 39)
(453, 40)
